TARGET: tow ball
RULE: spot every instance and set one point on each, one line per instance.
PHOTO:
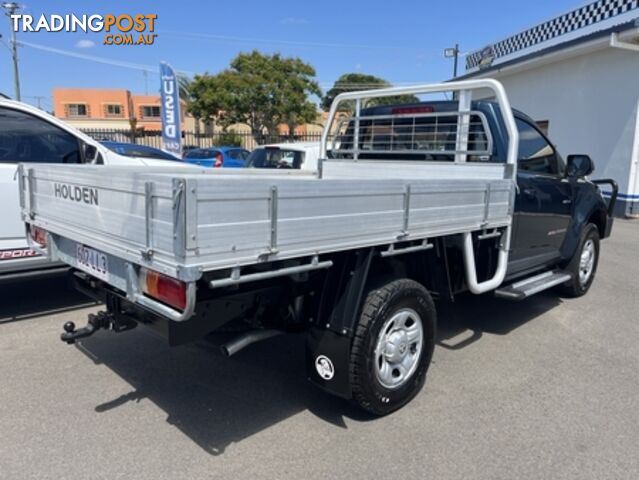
(105, 320)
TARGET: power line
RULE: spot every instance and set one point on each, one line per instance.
(153, 70)
(94, 58)
(148, 69)
(207, 36)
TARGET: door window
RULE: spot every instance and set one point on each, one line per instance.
(238, 154)
(536, 154)
(26, 138)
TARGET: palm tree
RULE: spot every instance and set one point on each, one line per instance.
(184, 85)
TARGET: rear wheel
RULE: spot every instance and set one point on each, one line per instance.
(583, 264)
(393, 346)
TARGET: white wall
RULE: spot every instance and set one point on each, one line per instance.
(591, 103)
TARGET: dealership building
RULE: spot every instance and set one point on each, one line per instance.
(577, 76)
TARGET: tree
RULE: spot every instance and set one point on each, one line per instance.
(350, 82)
(185, 84)
(206, 97)
(259, 90)
(296, 109)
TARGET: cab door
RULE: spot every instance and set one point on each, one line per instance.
(543, 203)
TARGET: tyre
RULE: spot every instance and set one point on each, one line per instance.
(393, 346)
(583, 264)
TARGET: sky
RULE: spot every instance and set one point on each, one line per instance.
(402, 42)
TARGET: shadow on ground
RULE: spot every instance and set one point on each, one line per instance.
(38, 296)
(465, 321)
(217, 401)
(214, 400)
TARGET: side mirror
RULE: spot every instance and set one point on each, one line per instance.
(579, 166)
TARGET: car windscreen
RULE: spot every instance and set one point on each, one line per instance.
(145, 153)
(201, 154)
(275, 158)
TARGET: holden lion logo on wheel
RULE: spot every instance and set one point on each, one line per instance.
(324, 367)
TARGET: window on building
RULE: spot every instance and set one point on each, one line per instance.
(150, 111)
(77, 110)
(113, 110)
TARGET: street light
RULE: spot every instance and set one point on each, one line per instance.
(10, 9)
(453, 53)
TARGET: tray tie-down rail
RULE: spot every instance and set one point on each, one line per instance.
(236, 277)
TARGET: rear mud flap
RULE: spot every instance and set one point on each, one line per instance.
(327, 358)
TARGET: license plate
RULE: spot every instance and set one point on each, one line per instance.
(93, 262)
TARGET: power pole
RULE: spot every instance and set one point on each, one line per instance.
(10, 8)
(38, 99)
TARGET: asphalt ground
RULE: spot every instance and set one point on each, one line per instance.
(547, 388)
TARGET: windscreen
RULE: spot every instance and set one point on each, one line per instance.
(275, 158)
(201, 154)
(145, 153)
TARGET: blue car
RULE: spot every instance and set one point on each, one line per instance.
(140, 151)
(217, 157)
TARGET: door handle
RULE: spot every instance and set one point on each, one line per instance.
(530, 192)
(566, 201)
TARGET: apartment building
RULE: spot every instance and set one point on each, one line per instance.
(101, 108)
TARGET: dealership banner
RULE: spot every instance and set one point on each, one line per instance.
(171, 134)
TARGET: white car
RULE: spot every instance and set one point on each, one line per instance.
(29, 135)
(300, 155)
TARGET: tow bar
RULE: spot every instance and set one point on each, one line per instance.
(102, 319)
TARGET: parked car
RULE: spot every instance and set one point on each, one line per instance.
(301, 155)
(139, 151)
(30, 136)
(217, 157)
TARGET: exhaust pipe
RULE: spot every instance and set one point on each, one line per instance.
(248, 338)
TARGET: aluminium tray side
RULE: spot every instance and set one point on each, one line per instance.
(235, 220)
(222, 221)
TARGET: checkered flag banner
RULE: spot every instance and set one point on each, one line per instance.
(577, 19)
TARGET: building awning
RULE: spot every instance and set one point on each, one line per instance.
(584, 25)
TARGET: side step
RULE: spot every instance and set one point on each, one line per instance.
(531, 285)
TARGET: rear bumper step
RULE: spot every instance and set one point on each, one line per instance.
(532, 285)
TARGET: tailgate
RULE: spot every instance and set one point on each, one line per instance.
(116, 210)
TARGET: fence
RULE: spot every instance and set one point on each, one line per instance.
(153, 138)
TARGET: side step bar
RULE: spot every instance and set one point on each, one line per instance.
(531, 285)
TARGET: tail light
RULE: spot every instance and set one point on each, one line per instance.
(409, 110)
(165, 289)
(219, 161)
(39, 235)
